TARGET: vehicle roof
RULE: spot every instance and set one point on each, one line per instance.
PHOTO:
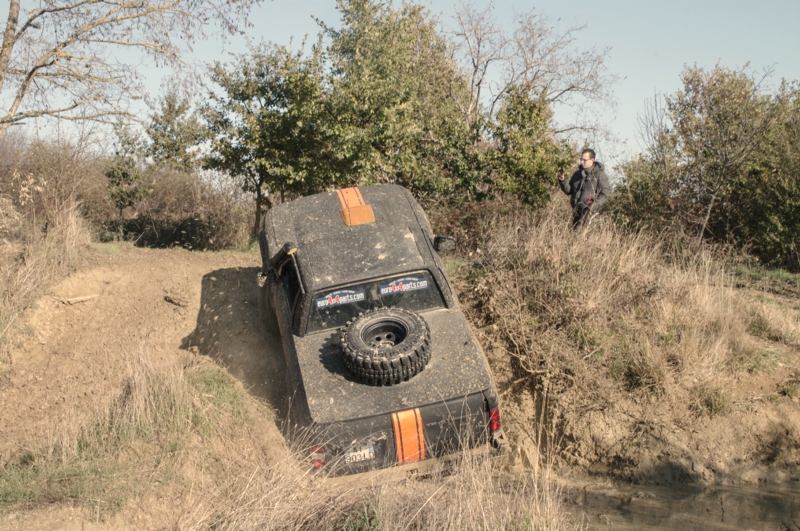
(331, 253)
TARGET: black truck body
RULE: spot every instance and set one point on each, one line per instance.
(322, 272)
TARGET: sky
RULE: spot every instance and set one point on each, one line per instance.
(650, 42)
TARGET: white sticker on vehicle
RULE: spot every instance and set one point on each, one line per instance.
(361, 453)
(337, 298)
(401, 285)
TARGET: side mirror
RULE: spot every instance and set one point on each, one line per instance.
(444, 244)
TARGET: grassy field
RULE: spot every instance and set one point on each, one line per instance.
(577, 321)
(197, 431)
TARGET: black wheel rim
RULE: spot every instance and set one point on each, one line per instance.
(385, 334)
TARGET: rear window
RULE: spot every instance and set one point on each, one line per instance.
(415, 291)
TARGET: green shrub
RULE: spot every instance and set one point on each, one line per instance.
(181, 210)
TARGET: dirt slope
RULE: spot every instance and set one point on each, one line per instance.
(76, 345)
(72, 353)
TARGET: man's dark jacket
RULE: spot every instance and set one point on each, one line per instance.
(587, 187)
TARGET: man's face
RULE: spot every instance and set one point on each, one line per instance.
(587, 161)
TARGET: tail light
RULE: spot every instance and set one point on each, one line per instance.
(494, 420)
(318, 456)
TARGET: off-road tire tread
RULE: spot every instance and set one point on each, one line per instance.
(391, 366)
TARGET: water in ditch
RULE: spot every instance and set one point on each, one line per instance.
(765, 507)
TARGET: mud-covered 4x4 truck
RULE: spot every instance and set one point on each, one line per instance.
(381, 363)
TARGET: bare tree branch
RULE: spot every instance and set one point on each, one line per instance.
(58, 57)
(536, 58)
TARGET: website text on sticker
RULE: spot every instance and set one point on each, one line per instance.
(337, 298)
(402, 285)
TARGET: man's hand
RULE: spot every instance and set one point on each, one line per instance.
(561, 174)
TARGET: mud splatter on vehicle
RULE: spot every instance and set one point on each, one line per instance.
(382, 365)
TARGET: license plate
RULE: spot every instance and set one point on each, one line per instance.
(362, 453)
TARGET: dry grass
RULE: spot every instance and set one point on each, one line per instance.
(36, 255)
(559, 299)
(774, 320)
(194, 431)
(140, 439)
(592, 318)
(470, 496)
(43, 234)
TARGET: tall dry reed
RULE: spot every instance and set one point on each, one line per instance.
(41, 252)
(469, 496)
(599, 318)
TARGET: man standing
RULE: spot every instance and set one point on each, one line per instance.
(587, 189)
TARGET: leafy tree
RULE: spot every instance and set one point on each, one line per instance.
(124, 176)
(763, 208)
(369, 108)
(718, 121)
(719, 162)
(382, 102)
(265, 124)
(390, 108)
(651, 193)
(410, 107)
(535, 58)
(174, 131)
(58, 57)
(527, 154)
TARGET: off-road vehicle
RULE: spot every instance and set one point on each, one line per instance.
(381, 363)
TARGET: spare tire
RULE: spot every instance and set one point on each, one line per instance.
(386, 346)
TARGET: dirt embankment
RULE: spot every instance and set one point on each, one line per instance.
(77, 344)
(651, 438)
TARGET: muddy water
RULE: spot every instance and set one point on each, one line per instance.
(688, 508)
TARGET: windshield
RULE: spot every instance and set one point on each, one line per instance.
(413, 291)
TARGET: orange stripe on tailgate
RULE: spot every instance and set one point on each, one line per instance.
(408, 436)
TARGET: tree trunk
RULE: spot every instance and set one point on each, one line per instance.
(708, 216)
(8, 40)
(257, 226)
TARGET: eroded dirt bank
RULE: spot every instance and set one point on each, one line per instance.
(76, 346)
(72, 353)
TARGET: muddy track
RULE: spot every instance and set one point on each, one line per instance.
(75, 347)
